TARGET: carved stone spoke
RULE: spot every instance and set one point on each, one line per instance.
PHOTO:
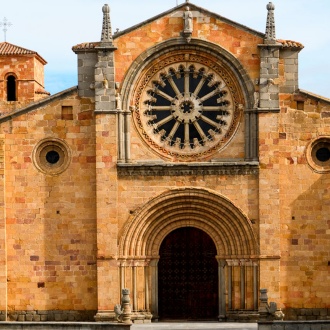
(174, 129)
(199, 86)
(174, 86)
(186, 134)
(209, 121)
(184, 112)
(163, 121)
(200, 131)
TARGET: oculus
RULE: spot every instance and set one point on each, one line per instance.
(318, 155)
(187, 107)
(51, 156)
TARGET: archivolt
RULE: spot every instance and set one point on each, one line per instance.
(226, 224)
(196, 46)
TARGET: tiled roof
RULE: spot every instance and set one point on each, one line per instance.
(85, 46)
(42, 91)
(9, 49)
(290, 44)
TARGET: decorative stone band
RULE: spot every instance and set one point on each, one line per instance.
(183, 169)
(48, 316)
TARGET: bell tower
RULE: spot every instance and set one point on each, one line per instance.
(21, 77)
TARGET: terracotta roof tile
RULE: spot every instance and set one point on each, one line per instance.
(85, 46)
(9, 49)
(290, 44)
(42, 91)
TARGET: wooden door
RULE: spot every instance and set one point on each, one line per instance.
(188, 276)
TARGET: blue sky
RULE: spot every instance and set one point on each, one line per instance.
(52, 27)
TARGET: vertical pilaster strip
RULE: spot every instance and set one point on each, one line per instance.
(3, 240)
(106, 134)
(268, 121)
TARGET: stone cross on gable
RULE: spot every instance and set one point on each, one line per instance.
(5, 25)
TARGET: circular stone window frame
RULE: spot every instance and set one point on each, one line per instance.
(175, 59)
(315, 164)
(51, 144)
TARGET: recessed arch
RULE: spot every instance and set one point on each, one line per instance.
(153, 53)
(225, 223)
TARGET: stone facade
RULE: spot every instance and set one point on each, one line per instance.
(93, 179)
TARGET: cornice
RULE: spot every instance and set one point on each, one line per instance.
(184, 169)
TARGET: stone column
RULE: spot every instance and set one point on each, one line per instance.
(134, 268)
(230, 289)
(121, 138)
(255, 285)
(127, 135)
(242, 281)
(222, 289)
(146, 288)
(251, 135)
(154, 287)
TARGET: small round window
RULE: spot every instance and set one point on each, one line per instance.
(318, 155)
(51, 156)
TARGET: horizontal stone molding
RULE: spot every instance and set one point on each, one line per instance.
(183, 169)
(294, 325)
(51, 316)
(63, 325)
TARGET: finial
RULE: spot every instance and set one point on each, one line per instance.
(270, 25)
(106, 36)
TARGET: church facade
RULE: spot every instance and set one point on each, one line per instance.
(186, 166)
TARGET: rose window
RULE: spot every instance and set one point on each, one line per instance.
(187, 110)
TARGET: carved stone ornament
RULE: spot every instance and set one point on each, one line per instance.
(187, 106)
(188, 24)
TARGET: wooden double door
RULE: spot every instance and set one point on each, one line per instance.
(188, 276)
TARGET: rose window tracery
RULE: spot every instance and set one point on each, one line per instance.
(187, 109)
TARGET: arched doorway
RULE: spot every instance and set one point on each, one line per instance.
(188, 276)
(230, 231)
